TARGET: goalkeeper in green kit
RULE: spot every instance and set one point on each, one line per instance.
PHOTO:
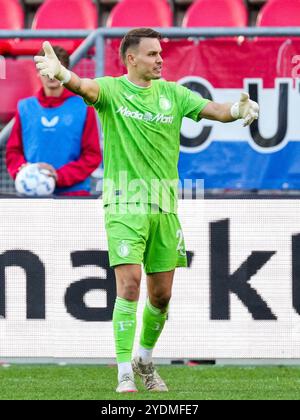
(141, 117)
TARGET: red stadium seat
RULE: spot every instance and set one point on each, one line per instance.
(58, 14)
(280, 13)
(21, 81)
(11, 17)
(210, 13)
(136, 13)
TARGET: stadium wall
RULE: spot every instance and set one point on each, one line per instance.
(238, 299)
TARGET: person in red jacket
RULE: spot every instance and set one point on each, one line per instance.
(58, 131)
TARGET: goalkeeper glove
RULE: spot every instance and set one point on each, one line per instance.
(246, 109)
(49, 65)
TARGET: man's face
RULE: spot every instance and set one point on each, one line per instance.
(146, 59)
(49, 84)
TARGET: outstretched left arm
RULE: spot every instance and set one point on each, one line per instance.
(246, 109)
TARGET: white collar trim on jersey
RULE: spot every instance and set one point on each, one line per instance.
(140, 87)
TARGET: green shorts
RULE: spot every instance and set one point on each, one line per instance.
(154, 239)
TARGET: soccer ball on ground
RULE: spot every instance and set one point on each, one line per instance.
(34, 181)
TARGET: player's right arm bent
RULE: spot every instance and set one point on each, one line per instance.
(50, 66)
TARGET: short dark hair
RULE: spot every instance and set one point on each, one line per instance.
(61, 53)
(133, 39)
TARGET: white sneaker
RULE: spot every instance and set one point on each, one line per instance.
(149, 376)
(126, 385)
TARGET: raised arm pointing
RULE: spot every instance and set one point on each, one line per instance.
(49, 65)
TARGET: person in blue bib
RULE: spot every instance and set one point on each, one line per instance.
(57, 130)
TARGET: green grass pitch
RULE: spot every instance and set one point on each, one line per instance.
(53, 382)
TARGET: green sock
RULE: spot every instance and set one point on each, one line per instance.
(124, 322)
(153, 324)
